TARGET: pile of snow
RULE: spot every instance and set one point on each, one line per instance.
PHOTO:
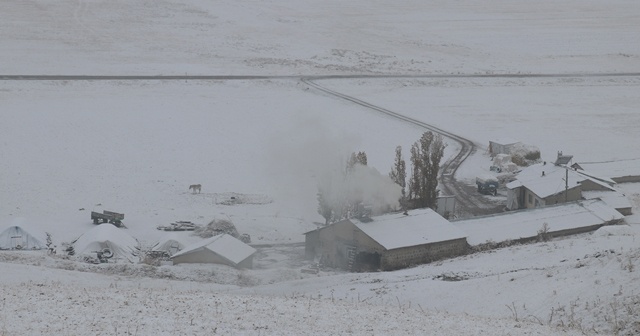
(217, 227)
(107, 236)
(171, 244)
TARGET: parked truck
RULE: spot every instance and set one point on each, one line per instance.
(487, 185)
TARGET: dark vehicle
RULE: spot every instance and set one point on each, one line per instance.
(107, 217)
(487, 185)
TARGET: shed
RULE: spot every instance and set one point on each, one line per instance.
(221, 249)
(105, 237)
(387, 242)
(502, 146)
(523, 225)
(20, 236)
(545, 184)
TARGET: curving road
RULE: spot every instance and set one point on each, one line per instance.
(468, 201)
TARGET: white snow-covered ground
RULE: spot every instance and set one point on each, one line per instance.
(71, 147)
(317, 36)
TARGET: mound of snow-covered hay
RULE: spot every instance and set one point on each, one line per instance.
(217, 227)
(170, 243)
(108, 238)
(525, 155)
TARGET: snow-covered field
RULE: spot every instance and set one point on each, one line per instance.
(71, 147)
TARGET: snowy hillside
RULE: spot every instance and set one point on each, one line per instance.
(259, 148)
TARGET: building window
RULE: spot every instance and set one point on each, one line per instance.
(530, 198)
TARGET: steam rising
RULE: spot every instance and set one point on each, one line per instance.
(312, 157)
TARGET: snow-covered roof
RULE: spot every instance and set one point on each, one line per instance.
(420, 226)
(613, 169)
(504, 141)
(107, 236)
(526, 223)
(596, 176)
(614, 199)
(553, 180)
(31, 238)
(224, 245)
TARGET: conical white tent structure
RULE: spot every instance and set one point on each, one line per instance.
(20, 236)
(110, 240)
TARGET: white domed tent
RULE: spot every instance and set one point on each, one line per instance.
(110, 241)
(171, 244)
(20, 236)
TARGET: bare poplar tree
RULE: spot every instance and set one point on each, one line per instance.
(399, 174)
(426, 154)
(415, 182)
(361, 158)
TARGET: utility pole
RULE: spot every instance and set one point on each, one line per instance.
(566, 184)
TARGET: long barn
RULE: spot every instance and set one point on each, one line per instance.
(387, 242)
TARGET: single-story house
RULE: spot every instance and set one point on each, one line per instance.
(386, 242)
(619, 171)
(108, 240)
(221, 249)
(524, 225)
(20, 236)
(502, 146)
(546, 184)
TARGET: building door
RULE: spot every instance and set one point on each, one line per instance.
(17, 242)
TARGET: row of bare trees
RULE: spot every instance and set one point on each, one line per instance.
(422, 185)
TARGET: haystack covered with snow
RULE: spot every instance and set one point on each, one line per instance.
(170, 243)
(108, 237)
(221, 249)
(20, 236)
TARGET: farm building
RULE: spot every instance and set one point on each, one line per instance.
(387, 242)
(615, 199)
(502, 146)
(20, 236)
(221, 249)
(546, 184)
(619, 171)
(524, 225)
(108, 239)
